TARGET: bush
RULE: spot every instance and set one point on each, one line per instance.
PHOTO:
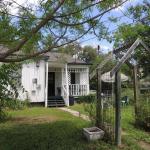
(16, 104)
(143, 115)
(87, 99)
(130, 93)
(90, 108)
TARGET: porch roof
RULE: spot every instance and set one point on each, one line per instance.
(64, 58)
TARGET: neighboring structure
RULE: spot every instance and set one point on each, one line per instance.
(54, 78)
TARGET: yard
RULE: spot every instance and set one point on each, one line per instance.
(42, 129)
(132, 138)
(51, 128)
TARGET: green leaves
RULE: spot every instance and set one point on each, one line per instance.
(9, 81)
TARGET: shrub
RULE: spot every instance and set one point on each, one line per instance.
(9, 83)
(16, 104)
(90, 108)
(89, 104)
(128, 92)
(143, 115)
(87, 99)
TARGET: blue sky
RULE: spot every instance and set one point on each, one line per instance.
(104, 44)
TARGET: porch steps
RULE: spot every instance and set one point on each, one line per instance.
(55, 101)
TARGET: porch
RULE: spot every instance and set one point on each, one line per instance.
(66, 80)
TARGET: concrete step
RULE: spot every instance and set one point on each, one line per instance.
(56, 101)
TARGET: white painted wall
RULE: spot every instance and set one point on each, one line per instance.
(36, 91)
(31, 71)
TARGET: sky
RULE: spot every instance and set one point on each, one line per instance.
(91, 39)
(104, 44)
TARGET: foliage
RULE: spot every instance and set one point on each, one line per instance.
(128, 92)
(88, 54)
(15, 104)
(128, 33)
(9, 83)
(130, 134)
(143, 115)
(38, 28)
(71, 49)
(87, 99)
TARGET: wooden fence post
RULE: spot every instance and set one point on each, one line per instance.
(98, 100)
(136, 90)
(117, 108)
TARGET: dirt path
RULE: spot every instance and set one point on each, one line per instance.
(75, 113)
(144, 145)
(33, 120)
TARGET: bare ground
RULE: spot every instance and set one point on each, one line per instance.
(144, 145)
(33, 120)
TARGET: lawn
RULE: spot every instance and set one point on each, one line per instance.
(131, 136)
(45, 129)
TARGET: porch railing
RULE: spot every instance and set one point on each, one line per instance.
(77, 90)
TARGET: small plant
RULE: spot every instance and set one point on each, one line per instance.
(90, 108)
(143, 115)
(16, 104)
(87, 99)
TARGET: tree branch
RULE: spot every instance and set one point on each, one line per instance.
(73, 13)
(42, 52)
(93, 18)
(33, 31)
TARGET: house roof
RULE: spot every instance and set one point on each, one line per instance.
(63, 58)
(51, 56)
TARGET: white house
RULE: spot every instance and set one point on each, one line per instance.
(55, 78)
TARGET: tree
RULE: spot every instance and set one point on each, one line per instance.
(72, 48)
(129, 33)
(50, 25)
(88, 54)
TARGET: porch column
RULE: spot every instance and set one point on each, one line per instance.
(67, 86)
(88, 89)
(62, 84)
(46, 84)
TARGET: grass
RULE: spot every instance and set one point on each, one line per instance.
(43, 129)
(79, 108)
(131, 135)
(39, 128)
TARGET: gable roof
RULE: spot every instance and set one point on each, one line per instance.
(63, 58)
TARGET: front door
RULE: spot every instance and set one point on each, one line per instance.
(51, 84)
(73, 79)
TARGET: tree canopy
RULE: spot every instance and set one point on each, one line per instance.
(50, 24)
(129, 33)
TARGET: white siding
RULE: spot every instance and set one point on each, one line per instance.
(36, 91)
